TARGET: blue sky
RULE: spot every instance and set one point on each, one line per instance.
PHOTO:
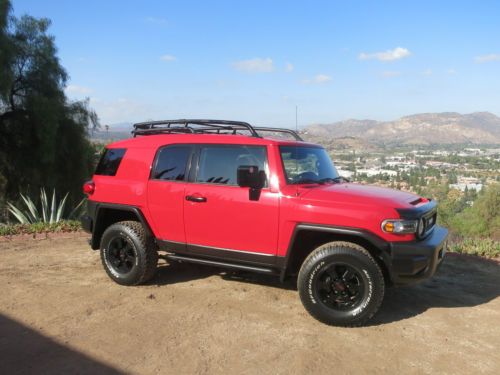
(255, 61)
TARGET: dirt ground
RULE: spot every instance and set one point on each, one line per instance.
(59, 313)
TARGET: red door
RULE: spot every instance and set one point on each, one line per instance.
(219, 214)
(166, 192)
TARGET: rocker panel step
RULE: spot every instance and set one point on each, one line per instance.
(182, 258)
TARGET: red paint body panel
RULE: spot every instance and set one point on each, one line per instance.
(228, 219)
(166, 207)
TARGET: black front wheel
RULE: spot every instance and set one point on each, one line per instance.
(341, 284)
(128, 256)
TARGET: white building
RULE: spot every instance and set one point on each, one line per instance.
(462, 187)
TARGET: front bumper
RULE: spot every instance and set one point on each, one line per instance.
(418, 260)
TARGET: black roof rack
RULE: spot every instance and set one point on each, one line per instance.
(293, 133)
(204, 127)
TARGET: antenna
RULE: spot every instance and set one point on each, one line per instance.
(296, 118)
(296, 149)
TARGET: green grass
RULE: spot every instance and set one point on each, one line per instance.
(61, 226)
(484, 247)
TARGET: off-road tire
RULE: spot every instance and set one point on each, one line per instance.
(317, 301)
(145, 251)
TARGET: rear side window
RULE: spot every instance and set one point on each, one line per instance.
(110, 161)
(219, 164)
(171, 163)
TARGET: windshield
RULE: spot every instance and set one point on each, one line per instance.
(306, 165)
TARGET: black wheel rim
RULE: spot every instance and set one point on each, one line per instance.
(121, 255)
(340, 287)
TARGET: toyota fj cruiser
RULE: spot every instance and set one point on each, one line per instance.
(219, 193)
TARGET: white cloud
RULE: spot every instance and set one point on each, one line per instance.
(389, 55)
(427, 72)
(158, 21)
(77, 90)
(451, 71)
(256, 65)
(168, 58)
(318, 79)
(487, 58)
(122, 110)
(288, 67)
(391, 73)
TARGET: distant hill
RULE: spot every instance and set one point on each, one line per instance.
(115, 132)
(419, 129)
(121, 126)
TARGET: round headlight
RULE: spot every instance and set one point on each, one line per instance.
(421, 227)
(399, 226)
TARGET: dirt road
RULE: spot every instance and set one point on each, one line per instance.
(59, 313)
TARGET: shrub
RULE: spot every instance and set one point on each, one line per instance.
(477, 246)
(50, 212)
(61, 226)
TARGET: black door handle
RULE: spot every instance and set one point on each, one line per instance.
(197, 199)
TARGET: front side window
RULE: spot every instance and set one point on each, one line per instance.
(110, 161)
(305, 165)
(171, 163)
(219, 164)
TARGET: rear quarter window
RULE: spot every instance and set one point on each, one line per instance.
(110, 161)
(171, 163)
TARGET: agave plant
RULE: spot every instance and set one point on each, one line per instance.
(50, 212)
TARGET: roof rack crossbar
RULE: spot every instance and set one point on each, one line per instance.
(293, 133)
(153, 127)
(153, 131)
(205, 126)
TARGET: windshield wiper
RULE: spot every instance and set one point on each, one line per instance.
(340, 179)
(321, 181)
(332, 179)
(306, 181)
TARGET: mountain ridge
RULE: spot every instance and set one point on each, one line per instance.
(419, 129)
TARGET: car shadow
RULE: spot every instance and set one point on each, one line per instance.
(179, 272)
(261, 279)
(460, 282)
(24, 351)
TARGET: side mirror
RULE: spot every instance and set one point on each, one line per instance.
(250, 176)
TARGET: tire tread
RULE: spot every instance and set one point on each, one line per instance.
(147, 248)
(342, 248)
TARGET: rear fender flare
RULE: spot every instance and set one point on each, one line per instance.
(100, 226)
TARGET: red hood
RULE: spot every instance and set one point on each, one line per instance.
(362, 194)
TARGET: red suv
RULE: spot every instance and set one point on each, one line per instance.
(220, 193)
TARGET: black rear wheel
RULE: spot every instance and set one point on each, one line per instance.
(121, 254)
(128, 256)
(341, 284)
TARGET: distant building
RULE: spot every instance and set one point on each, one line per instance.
(463, 187)
(345, 173)
(468, 180)
(374, 172)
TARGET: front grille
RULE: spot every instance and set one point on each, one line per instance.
(425, 214)
(429, 221)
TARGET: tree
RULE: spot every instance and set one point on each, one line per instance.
(482, 219)
(452, 178)
(43, 136)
